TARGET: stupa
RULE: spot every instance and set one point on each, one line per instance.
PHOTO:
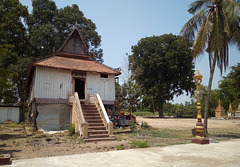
(237, 114)
(230, 113)
(220, 111)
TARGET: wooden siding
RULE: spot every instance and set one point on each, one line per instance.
(105, 87)
(52, 83)
(75, 45)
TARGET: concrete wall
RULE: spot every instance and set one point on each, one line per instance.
(9, 113)
(53, 117)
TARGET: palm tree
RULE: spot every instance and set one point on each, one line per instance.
(217, 25)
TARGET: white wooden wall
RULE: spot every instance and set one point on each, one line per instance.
(52, 83)
(57, 84)
(105, 87)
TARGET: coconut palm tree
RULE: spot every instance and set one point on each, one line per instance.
(216, 24)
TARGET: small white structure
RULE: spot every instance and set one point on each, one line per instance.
(71, 69)
(9, 113)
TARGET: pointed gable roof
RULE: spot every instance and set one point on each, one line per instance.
(74, 56)
(74, 44)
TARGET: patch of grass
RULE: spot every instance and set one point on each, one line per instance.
(144, 114)
(39, 136)
(12, 125)
(132, 126)
(156, 132)
(223, 134)
(145, 125)
(139, 144)
(156, 136)
(120, 147)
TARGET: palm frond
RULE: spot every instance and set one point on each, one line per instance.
(188, 30)
(202, 36)
(198, 5)
(217, 23)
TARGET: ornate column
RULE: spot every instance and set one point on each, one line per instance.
(200, 139)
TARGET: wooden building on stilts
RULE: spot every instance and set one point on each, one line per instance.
(71, 87)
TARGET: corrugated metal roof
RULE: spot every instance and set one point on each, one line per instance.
(74, 64)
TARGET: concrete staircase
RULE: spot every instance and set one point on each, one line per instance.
(96, 129)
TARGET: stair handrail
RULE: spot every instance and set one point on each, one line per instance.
(81, 125)
(103, 110)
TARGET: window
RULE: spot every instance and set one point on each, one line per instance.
(104, 75)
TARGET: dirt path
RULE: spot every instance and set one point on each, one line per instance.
(181, 123)
(15, 141)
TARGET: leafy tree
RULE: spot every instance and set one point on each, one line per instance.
(42, 30)
(7, 87)
(133, 95)
(217, 25)
(180, 110)
(120, 94)
(230, 87)
(14, 44)
(214, 98)
(162, 67)
(169, 109)
(25, 38)
(49, 27)
(128, 96)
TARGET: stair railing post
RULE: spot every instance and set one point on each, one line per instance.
(102, 109)
(81, 126)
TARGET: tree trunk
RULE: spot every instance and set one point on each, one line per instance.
(153, 105)
(209, 93)
(160, 111)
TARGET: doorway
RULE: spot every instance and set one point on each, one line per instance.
(80, 87)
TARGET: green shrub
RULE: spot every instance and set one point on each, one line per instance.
(71, 128)
(139, 144)
(120, 147)
(145, 125)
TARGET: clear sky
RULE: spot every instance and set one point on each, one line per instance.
(122, 23)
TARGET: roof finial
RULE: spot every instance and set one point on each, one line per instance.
(75, 25)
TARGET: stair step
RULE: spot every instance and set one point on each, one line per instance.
(94, 121)
(95, 124)
(92, 117)
(89, 107)
(98, 135)
(99, 139)
(96, 128)
(97, 131)
(86, 110)
(91, 114)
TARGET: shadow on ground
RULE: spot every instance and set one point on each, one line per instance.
(232, 136)
(10, 136)
(10, 151)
